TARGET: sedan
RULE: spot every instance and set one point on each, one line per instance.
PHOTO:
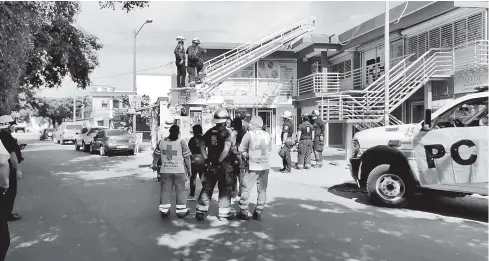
(84, 139)
(47, 134)
(110, 141)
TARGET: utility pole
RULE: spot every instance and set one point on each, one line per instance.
(134, 88)
(386, 64)
(74, 105)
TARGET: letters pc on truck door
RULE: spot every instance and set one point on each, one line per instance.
(448, 155)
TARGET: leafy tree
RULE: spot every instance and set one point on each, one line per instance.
(126, 5)
(61, 109)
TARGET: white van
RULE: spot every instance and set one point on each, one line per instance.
(447, 156)
(66, 132)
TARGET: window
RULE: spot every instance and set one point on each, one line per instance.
(115, 104)
(465, 114)
(117, 133)
(84, 130)
(105, 104)
(341, 67)
(94, 130)
(100, 123)
(74, 127)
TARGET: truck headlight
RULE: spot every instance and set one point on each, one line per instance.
(355, 148)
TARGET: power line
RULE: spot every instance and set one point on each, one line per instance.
(142, 70)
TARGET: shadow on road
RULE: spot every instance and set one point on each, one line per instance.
(296, 229)
(467, 207)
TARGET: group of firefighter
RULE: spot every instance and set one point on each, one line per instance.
(190, 60)
(227, 154)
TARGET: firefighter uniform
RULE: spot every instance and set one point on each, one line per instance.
(173, 173)
(288, 144)
(305, 144)
(216, 172)
(318, 146)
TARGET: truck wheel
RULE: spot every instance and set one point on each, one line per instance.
(388, 189)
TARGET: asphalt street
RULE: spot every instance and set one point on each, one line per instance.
(76, 206)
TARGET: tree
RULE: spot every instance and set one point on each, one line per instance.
(126, 5)
(125, 114)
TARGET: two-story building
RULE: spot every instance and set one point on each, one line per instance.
(438, 52)
(104, 101)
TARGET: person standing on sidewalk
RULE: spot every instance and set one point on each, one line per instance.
(215, 149)
(197, 159)
(7, 126)
(318, 145)
(256, 146)
(304, 137)
(180, 61)
(4, 212)
(287, 142)
(175, 171)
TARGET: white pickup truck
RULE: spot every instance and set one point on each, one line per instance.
(447, 156)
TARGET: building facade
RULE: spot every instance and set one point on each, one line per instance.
(104, 101)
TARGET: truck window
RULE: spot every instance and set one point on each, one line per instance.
(465, 114)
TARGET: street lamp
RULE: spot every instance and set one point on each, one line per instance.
(134, 88)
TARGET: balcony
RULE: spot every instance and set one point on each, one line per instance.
(257, 92)
(320, 84)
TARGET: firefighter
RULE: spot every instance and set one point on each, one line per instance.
(318, 145)
(195, 58)
(180, 61)
(256, 147)
(219, 169)
(287, 142)
(304, 138)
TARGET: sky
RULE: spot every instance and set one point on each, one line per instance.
(218, 21)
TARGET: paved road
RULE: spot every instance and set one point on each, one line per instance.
(78, 206)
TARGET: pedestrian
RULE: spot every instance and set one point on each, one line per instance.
(304, 138)
(287, 141)
(175, 171)
(318, 145)
(239, 169)
(4, 212)
(215, 149)
(180, 61)
(195, 58)
(197, 166)
(256, 146)
(7, 126)
(228, 125)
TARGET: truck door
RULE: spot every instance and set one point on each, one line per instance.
(455, 151)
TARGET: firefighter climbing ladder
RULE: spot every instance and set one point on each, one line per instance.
(221, 67)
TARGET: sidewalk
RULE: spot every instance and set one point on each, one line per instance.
(327, 176)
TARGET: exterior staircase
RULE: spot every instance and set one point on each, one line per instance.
(219, 68)
(365, 108)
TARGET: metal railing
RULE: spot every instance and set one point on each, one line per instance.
(330, 82)
(405, 79)
(219, 68)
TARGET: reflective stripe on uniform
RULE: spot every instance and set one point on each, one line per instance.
(181, 210)
(165, 205)
(224, 211)
(157, 152)
(181, 206)
(202, 208)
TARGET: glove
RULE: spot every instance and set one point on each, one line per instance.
(19, 174)
(321, 138)
(154, 167)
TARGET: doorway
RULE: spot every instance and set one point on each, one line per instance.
(267, 116)
(417, 111)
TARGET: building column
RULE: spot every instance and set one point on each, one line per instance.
(356, 63)
(164, 115)
(428, 96)
(348, 139)
(324, 61)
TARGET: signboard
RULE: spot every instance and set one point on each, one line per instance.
(469, 80)
(285, 72)
(247, 72)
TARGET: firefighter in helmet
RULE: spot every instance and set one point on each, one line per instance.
(304, 138)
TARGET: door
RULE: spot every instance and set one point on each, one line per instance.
(417, 112)
(454, 152)
(266, 115)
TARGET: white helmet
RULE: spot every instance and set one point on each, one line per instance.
(287, 115)
(180, 38)
(196, 40)
(315, 113)
(6, 121)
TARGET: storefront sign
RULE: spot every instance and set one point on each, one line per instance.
(247, 72)
(468, 80)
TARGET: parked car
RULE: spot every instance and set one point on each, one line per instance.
(110, 140)
(66, 132)
(84, 139)
(47, 134)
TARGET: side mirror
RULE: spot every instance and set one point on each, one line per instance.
(76, 133)
(427, 120)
